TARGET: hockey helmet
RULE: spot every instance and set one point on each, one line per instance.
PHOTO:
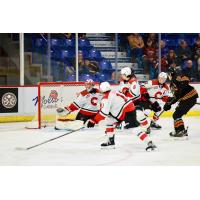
(126, 71)
(104, 87)
(89, 84)
(162, 77)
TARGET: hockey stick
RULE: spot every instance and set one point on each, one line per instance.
(31, 147)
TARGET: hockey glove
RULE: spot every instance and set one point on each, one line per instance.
(155, 107)
(62, 112)
(90, 123)
(167, 106)
(146, 96)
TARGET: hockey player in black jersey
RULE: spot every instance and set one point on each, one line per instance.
(185, 95)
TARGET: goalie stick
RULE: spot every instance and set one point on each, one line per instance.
(31, 147)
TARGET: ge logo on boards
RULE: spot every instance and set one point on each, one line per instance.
(9, 100)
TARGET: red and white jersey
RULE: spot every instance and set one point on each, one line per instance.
(87, 102)
(157, 90)
(130, 88)
(114, 104)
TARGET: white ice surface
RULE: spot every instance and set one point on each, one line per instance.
(83, 147)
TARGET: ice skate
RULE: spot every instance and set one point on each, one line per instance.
(151, 147)
(155, 125)
(179, 134)
(109, 143)
(148, 131)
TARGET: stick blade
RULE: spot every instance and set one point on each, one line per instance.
(21, 148)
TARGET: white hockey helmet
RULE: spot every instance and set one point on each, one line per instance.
(89, 84)
(162, 77)
(126, 71)
(104, 87)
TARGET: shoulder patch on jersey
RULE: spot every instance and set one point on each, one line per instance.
(84, 93)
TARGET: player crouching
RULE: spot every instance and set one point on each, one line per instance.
(152, 93)
(87, 103)
(114, 106)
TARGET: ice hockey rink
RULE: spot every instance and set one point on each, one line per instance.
(82, 148)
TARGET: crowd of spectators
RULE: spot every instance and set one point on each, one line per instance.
(145, 48)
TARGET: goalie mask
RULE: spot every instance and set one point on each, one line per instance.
(89, 84)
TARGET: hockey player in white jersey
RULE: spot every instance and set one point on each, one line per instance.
(87, 102)
(114, 107)
(130, 87)
(154, 92)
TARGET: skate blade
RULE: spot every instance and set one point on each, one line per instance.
(108, 147)
(153, 128)
(152, 150)
(180, 138)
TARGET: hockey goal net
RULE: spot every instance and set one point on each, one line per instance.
(52, 95)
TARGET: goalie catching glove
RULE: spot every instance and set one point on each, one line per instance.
(62, 112)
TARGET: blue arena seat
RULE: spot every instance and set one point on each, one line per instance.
(67, 55)
(85, 53)
(102, 77)
(84, 44)
(105, 65)
(40, 45)
(56, 43)
(71, 78)
(84, 77)
(95, 55)
(69, 43)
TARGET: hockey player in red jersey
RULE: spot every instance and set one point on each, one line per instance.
(154, 94)
(87, 103)
(114, 107)
(130, 87)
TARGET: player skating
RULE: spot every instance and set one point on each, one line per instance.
(153, 92)
(185, 95)
(114, 107)
(130, 87)
(87, 102)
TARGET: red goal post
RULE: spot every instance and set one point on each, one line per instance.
(52, 95)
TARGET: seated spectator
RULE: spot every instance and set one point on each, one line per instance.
(172, 58)
(149, 57)
(189, 71)
(86, 66)
(69, 35)
(82, 35)
(198, 69)
(164, 52)
(164, 49)
(152, 40)
(136, 44)
(196, 49)
(183, 52)
(164, 64)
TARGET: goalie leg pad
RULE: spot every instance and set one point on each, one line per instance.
(69, 125)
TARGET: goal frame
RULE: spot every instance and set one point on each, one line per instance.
(48, 84)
